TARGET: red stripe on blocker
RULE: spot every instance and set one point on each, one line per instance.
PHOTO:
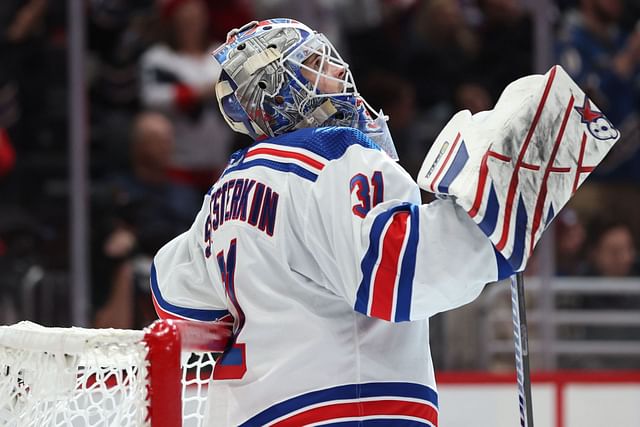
(542, 195)
(513, 185)
(356, 410)
(286, 154)
(482, 180)
(446, 160)
(385, 280)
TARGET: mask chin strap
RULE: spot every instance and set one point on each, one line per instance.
(318, 116)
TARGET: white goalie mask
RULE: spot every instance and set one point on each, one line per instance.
(279, 75)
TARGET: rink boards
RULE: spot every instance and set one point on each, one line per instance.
(560, 399)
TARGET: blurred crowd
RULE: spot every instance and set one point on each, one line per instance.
(157, 142)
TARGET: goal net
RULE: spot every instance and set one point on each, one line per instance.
(106, 377)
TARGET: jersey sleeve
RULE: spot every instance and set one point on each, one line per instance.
(370, 240)
(183, 284)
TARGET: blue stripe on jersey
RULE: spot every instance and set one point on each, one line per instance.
(385, 422)
(344, 392)
(191, 313)
(369, 262)
(328, 142)
(372, 256)
(408, 269)
(279, 166)
(233, 356)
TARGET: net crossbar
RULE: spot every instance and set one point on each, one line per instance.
(105, 377)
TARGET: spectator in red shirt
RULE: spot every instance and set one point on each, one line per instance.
(7, 154)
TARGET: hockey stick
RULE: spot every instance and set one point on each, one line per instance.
(522, 350)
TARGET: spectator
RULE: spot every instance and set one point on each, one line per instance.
(630, 14)
(506, 39)
(21, 83)
(395, 96)
(7, 154)
(472, 95)
(390, 35)
(118, 33)
(141, 210)
(225, 15)
(443, 51)
(570, 241)
(611, 250)
(178, 78)
(604, 60)
(611, 253)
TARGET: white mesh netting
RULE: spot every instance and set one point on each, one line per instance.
(86, 377)
(197, 370)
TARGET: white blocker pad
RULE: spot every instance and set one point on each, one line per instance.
(514, 167)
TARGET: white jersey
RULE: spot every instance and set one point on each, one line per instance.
(317, 244)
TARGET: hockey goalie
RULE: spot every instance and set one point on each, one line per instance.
(315, 242)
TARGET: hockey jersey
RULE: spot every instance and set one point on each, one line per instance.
(317, 244)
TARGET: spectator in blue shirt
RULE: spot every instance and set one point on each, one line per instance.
(604, 60)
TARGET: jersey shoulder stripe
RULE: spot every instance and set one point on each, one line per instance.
(299, 161)
(330, 143)
(388, 266)
(287, 167)
(304, 152)
(369, 401)
(166, 310)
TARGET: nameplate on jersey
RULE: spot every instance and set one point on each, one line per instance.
(242, 200)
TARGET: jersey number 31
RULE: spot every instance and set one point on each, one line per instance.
(368, 196)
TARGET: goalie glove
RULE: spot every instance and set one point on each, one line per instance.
(513, 168)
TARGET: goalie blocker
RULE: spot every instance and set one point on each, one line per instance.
(514, 167)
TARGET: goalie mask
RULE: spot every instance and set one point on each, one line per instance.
(279, 75)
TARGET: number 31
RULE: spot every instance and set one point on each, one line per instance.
(359, 185)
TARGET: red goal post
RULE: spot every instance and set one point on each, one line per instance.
(86, 377)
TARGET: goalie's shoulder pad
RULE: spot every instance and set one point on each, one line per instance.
(514, 167)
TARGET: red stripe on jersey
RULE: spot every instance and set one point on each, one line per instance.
(287, 154)
(385, 280)
(370, 408)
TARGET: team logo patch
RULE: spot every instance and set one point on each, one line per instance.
(599, 126)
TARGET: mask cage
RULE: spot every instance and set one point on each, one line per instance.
(328, 60)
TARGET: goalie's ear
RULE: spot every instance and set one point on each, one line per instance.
(513, 168)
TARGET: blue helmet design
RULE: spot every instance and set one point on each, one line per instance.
(263, 91)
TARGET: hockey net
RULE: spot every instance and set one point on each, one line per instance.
(105, 377)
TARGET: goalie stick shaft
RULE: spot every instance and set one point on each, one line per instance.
(522, 350)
